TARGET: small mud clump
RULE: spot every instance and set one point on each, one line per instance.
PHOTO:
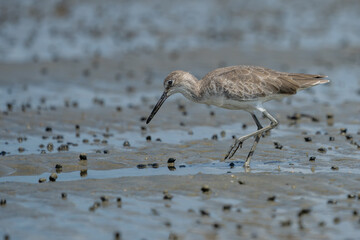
(104, 198)
(50, 147)
(41, 180)
(63, 195)
(171, 164)
(58, 166)
(141, 166)
(216, 225)
(286, 223)
(95, 206)
(241, 182)
(126, 144)
(295, 116)
(53, 177)
(167, 196)
(330, 119)
(343, 131)
(2, 202)
(222, 133)
(205, 189)
(21, 149)
(349, 137)
(119, 202)
(312, 158)
(117, 236)
(303, 212)
(63, 147)
(351, 196)
(83, 156)
(204, 213)
(155, 165)
(227, 207)
(322, 150)
(335, 168)
(336, 220)
(171, 160)
(307, 139)
(83, 172)
(278, 145)
(271, 199)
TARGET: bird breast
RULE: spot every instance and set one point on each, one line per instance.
(224, 102)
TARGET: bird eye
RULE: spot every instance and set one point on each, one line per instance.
(170, 82)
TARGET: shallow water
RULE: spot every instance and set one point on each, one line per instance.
(214, 168)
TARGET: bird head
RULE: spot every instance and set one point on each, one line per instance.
(172, 84)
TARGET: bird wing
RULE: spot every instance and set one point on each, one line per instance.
(248, 82)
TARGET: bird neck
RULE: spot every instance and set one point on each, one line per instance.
(190, 87)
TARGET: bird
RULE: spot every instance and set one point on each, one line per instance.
(238, 87)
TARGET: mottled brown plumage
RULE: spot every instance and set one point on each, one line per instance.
(238, 87)
(251, 82)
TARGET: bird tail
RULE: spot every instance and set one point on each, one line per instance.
(308, 80)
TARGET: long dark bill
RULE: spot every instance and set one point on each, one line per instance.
(157, 106)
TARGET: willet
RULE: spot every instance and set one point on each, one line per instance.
(238, 88)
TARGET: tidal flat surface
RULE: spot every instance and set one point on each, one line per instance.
(82, 115)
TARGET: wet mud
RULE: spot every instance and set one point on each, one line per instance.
(77, 159)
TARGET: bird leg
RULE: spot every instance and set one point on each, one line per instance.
(233, 149)
(239, 141)
(257, 139)
(238, 144)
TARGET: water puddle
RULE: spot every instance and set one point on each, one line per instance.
(214, 168)
(94, 136)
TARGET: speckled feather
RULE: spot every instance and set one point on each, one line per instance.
(252, 82)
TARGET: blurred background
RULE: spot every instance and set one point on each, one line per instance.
(75, 29)
(129, 42)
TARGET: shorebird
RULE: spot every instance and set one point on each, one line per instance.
(238, 88)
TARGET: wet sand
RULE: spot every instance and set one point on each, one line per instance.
(304, 176)
(284, 196)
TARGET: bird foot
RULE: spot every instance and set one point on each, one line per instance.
(238, 143)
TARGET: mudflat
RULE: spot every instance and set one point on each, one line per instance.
(78, 161)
